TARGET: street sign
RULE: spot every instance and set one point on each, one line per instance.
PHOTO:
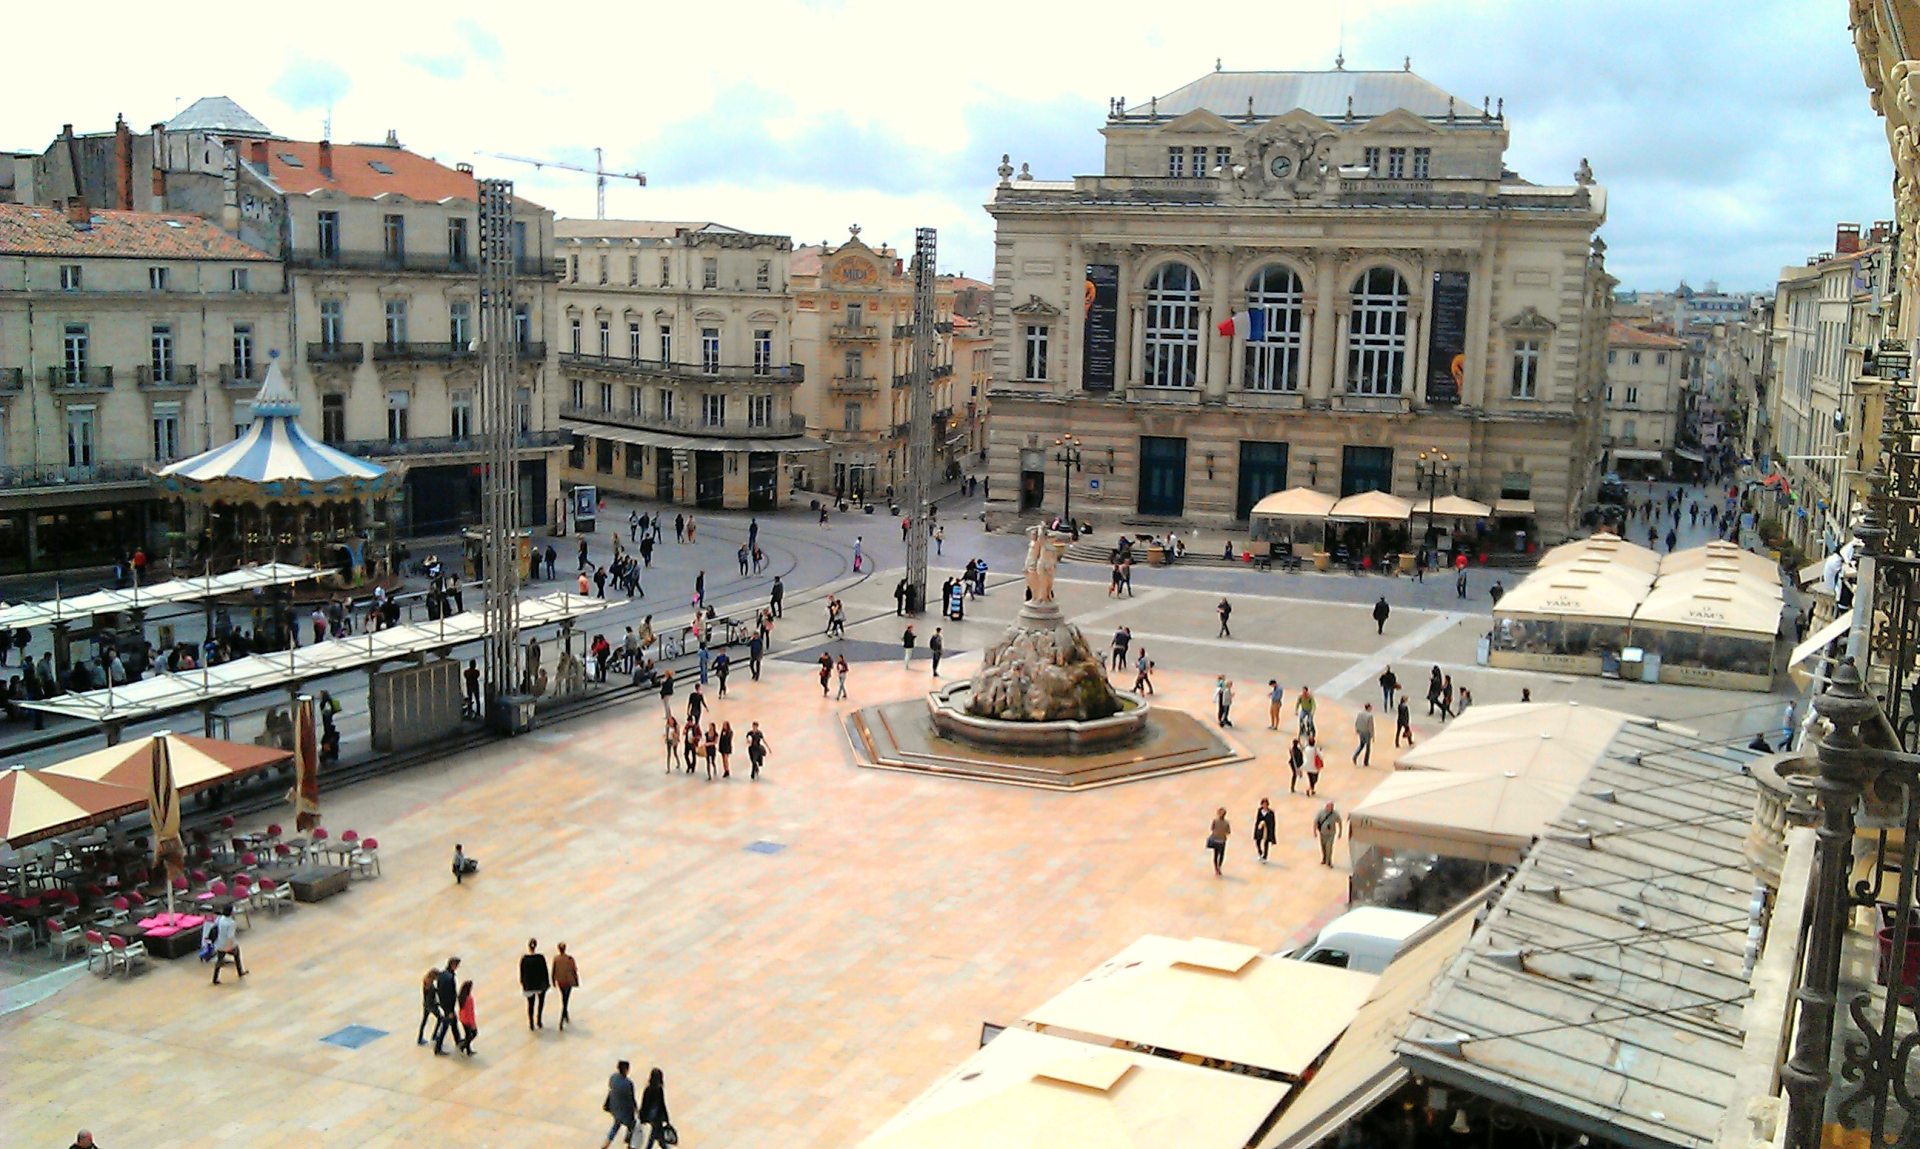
(1093, 484)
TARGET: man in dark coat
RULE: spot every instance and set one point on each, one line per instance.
(446, 987)
(620, 1104)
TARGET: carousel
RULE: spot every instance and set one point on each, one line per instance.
(278, 494)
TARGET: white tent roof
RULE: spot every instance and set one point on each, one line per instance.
(1488, 817)
(1710, 604)
(1605, 547)
(1454, 507)
(1296, 502)
(1577, 591)
(1377, 505)
(1026, 1090)
(1723, 555)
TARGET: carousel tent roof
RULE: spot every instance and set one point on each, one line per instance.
(276, 450)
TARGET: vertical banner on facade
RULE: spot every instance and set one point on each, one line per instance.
(1102, 325)
(1447, 338)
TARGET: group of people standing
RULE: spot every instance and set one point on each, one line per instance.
(448, 1001)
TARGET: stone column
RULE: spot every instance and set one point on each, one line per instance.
(1218, 353)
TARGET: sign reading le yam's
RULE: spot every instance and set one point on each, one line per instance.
(1102, 326)
(1447, 338)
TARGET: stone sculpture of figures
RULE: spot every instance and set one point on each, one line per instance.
(1583, 175)
(1042, 561)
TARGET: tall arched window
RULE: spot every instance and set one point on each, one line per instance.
(1173, 327)
(1273, 361)
(1377, 333)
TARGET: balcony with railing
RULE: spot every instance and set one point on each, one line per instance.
(429, 352)
(854, 385)
(905, 330)
(447, 444)
(177, 377)
(853, 332)
(80, 378)
(100, 472)
(333, 351)
(423, 263)
(694, 424)
(940, 371)
(12, 379)
(684, 372)
(232, 375)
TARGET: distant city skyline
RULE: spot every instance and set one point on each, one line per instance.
(1730, 138)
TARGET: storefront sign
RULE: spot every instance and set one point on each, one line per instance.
(1101, 323)
(586, 504)
(1447, 338)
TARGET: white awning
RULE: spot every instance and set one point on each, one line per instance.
(796, 444)
(1514, 507)
(1639, 454)
(1818, 640)
(1690, 456)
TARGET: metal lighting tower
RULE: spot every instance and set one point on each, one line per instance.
(499, 492)
(920, 416)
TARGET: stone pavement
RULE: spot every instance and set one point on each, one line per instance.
(801, 955)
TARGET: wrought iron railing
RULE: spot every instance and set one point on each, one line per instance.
(179, 375)
(80, 378)
(336, 352)
(687, 372)
(100, 471)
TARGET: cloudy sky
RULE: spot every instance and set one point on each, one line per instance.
(1731, 134)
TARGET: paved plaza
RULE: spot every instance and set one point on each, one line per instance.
(801, 955)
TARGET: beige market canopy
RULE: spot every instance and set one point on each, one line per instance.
(1211, 999)
(197, 762)
(1709, 604)
(1372, 506)
(1483, 817)
(1592, 727)
(1496, 749)
(1724, 555)
(1576, 591)
(1608, 547)
(1025, 1090)
(1454, 507)
(1296, 503)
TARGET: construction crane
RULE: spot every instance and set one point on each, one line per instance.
(598, 171)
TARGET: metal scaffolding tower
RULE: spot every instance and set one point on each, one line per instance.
(500, 487)
(919, 499)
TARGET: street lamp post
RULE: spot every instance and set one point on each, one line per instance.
(890, 473)
(1433, 463)
(1067, 454)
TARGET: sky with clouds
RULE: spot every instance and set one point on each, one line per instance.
(1731, 134)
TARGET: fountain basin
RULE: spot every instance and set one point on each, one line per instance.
(948, 710)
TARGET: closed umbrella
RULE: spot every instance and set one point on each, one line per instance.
(306, 766)
(35, 806)
(163, 808)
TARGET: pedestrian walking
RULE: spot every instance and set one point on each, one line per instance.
(722, 666)
(696, 704)
(858, 554)
(1223, 701)
(1225, 611)
(633, 526)
(1217, 838)
(462, 865)
(666, 691)
(553, 561)
(840, 673)
(756, 650)
(585, 563)
(906, 646)
(743, 557)
(690, 747)
(566, 979)
(429, 1004)
(935, 647)
(653, 1112)
(620, 1105)
(219, 936)
(1315, 764)
(1304, 707)
(1363, 729)
(939, 539)
(1433, 692)
(1389, 686)
(826, 672)
(1380, 612)
(1786, 727)
(1495, 593)
(1296, 766)
(1402, 724)
(1122, 639)
(1465, 700)
(726, 749)
(1143, 673)
(900, 598)
(1326, 827)
(753, 532)
(534, 982)
(680, 528)
(1446, 698)
(446, 993)
(1263, 828)
(775, 597)
(469, 1018)
(710, 748)
(1276, 694)
(756, 751)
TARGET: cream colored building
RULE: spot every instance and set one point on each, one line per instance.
(121, 336)
(1642, 399)
(853, 332)
(1414, 293)
(677, 365)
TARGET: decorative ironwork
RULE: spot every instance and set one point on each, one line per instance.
(499, 384)
(920, 414)
(1893, 497)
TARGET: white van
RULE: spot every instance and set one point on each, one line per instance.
(1363, 939)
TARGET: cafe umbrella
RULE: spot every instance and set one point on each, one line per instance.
(163, 808)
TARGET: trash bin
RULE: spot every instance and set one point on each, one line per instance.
(1322, 561)
(1650, 668)
(1156, 556)
(1632, 664)
(1406, 564)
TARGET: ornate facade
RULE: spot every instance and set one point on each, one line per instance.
(1410, 293)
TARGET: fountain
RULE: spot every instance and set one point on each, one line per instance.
(1038, 712)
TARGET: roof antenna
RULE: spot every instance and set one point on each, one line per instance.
(1340, 53)
(326, 125)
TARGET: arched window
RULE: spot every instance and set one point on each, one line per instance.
(1377, 333)
(1273, 361)
(1173, 327)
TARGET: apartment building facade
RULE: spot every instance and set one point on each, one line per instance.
(1643, 397)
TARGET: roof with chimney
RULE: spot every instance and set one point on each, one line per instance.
(364, 171)
(217, 114)
(1621, 335)
(1325, 94)
(28, 230)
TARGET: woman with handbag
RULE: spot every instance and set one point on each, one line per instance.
(1217, 838)
(653, 1111)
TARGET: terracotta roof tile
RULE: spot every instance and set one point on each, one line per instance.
(1620, 335)
(294, 167)
(30, 230)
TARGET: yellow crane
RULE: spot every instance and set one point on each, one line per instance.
(598, 171)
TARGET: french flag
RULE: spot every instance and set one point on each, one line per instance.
(1249, 325)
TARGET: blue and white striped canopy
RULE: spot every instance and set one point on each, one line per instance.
(276, 457)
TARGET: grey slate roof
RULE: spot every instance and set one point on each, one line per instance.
(1623, 1016)
(1322, 93)
(217, 114)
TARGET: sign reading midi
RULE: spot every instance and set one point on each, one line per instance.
(1447, 338)
(1102, 326)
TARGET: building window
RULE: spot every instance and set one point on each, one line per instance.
(1526, 369)
(80, 445)
(397, 403)
(666, 270)
(1396, 163)
(460, 411)
(1627, 431)
(606, 339)
(240, 429)
(710, 350)
(1660, 357)
(850, 417)
(457, 241)
(522, 325)
(604, 258)
(156, 279)
(606, 397)
(1176, 162)
(713, 410)
(460, 323)
(573, 335)
(333, 323)
(763, 275)
(579, 389)
(1377, 333)
(666, 405)
(1422, 163)
(763, 351)
(1633, 395)
(1633, 357)
(1199, 160)
(1273, 361)
(243, 351)
(1371, 158)
(1172, 335)
(523, 409)
(573, 268)
(666, 343)
(160, 355)
(73, 351)
(1034, 362)
(855, 364)
(333, 418)
(1609, 392)
(326, 234)
(636, 405)
(709, 272)
(393, 236)
(760, 411)
(1223, 158)
(1364, 469)
(70, 279)
(1610, 355)
(603, 456)
(166, 431)
(633, 274)
(633, 341)
(238, 279)
(396, 322)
